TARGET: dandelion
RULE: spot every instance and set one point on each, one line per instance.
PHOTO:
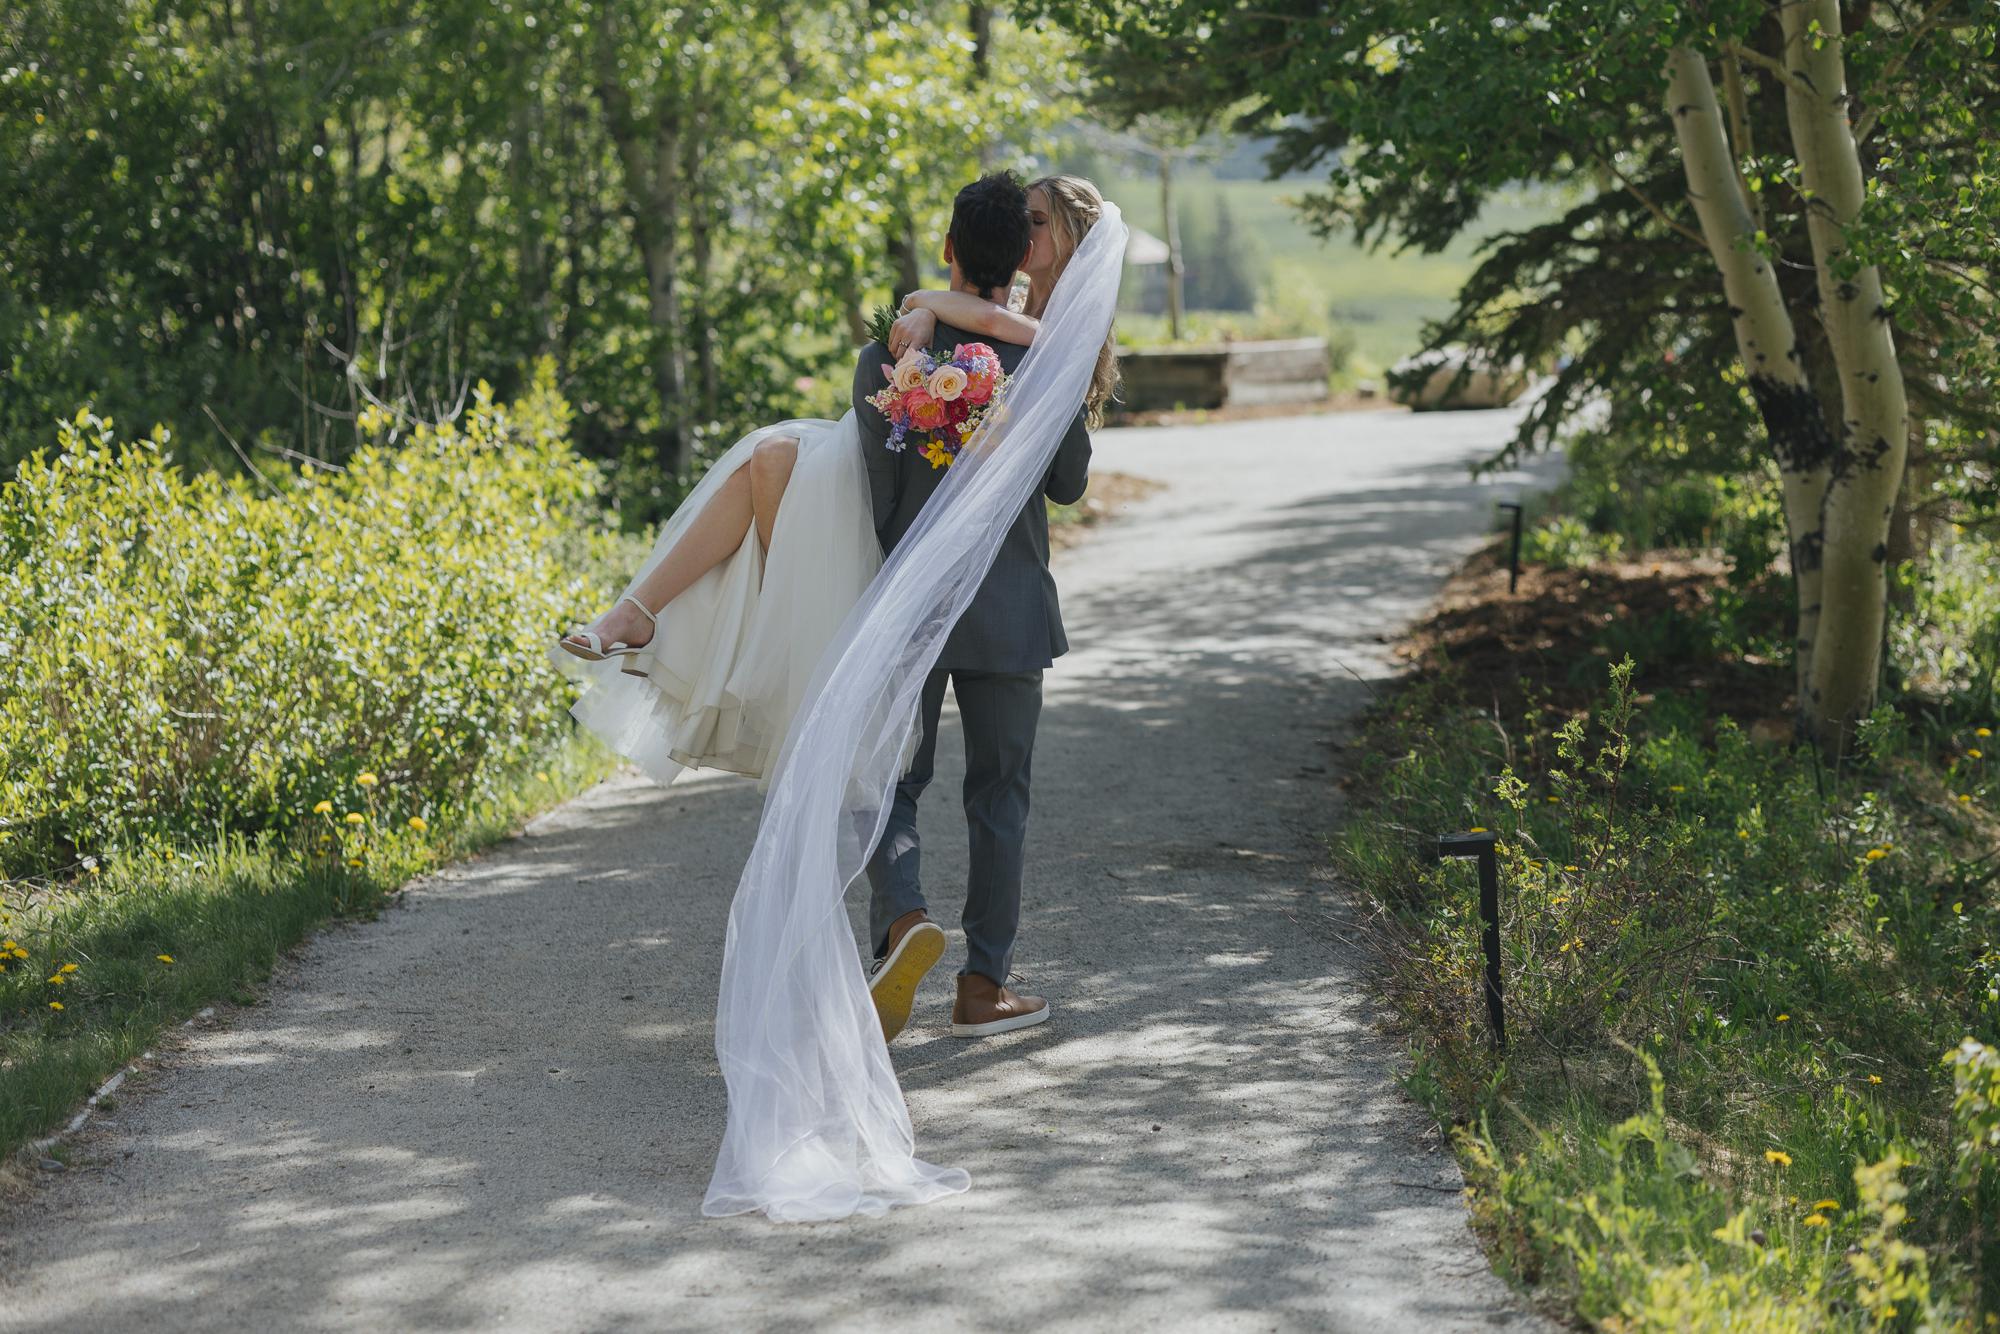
(164, 958)
(1572, 868)
(354, 861)
(67, 968)
(1743, 833)
(1784, 1019)
(418, 823)
(1982, 732)
(1965, 796)
(1874, 1079)
(324, 808)
(1814, 1220)
(170, 854)
(1876, 854)
(1828, 1206)
(1976, 753)
(57, 978)
(1778, 1156)
(55, 1005)
(366, 780)
(356, 817)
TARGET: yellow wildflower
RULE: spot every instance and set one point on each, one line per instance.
(354, 861)
(1828, 1206)
(1876, 854)
(67, 968)
(1743, 833)
(1976, 753)
(1572, 868)
(55, 1005)
(366, 780)
(438, 732)
(1965, 796)
(57, 978)
(1778, 1156)
(1982, 732)
(1814, 1220)
(1784, 1019)
(324, 808)
(1874, 1079)
(418, 823)
(356, 817)
(164, 958)
(1676, 787)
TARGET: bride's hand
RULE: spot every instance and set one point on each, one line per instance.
(911, 330)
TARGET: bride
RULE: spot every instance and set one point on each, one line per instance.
(704, 658)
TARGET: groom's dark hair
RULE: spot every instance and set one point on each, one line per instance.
(989, 229)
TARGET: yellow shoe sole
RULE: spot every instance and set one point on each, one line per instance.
(894, 987)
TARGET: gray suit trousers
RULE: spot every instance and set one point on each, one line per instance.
(999, 712)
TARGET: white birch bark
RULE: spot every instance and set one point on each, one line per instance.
(1875, 426)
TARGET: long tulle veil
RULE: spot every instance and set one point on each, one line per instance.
(817, 1127)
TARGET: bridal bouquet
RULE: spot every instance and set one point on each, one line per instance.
(942, 401)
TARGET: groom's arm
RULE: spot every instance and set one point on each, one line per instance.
(1069, 471)
(883, 472)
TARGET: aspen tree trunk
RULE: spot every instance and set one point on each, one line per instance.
(1765, 338)
(649, 152)
(1875, 426)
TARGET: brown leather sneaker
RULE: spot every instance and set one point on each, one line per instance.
(916, 943)
(985, 1007)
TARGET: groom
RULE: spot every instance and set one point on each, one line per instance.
(993, 661)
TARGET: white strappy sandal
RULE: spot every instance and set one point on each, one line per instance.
(594, 649)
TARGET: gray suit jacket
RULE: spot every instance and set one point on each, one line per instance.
(1014, 623)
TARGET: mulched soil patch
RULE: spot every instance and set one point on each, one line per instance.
(1556, 632)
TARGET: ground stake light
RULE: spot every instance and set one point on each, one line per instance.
(1482, 846)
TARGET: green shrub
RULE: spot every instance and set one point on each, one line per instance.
(183, 656)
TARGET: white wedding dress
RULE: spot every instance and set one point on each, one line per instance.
(731, 656)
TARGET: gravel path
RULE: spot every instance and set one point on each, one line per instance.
(496, 1107)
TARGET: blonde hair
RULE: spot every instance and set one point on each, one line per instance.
(1075, 205)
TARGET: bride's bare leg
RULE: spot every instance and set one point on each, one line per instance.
(710, 539)
(770, 469)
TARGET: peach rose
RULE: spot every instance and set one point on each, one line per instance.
(947, 382)
(909, 373)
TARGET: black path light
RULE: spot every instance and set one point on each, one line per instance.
(1481, 844)
(1514, 547)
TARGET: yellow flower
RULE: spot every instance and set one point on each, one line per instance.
(1975, 753)
(1572, 868)
(1876, 854)
(1784, 1019)
(164, 958)
(1778, 1156)
(1676, 787)
(1555, 801)
(1743, 833)
(1814, 1220)
(55, 1005)
(541, 778)
(1831, 1206)
(170, 854)
(354, 861)
(1965, 796)
(67, 968)
(57, 978)
(1874, 1079)
(366, 780)
(356, 817)
(324, 808)
(8, 944)
(1982, 732)
(438, 732)
(418, 823)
